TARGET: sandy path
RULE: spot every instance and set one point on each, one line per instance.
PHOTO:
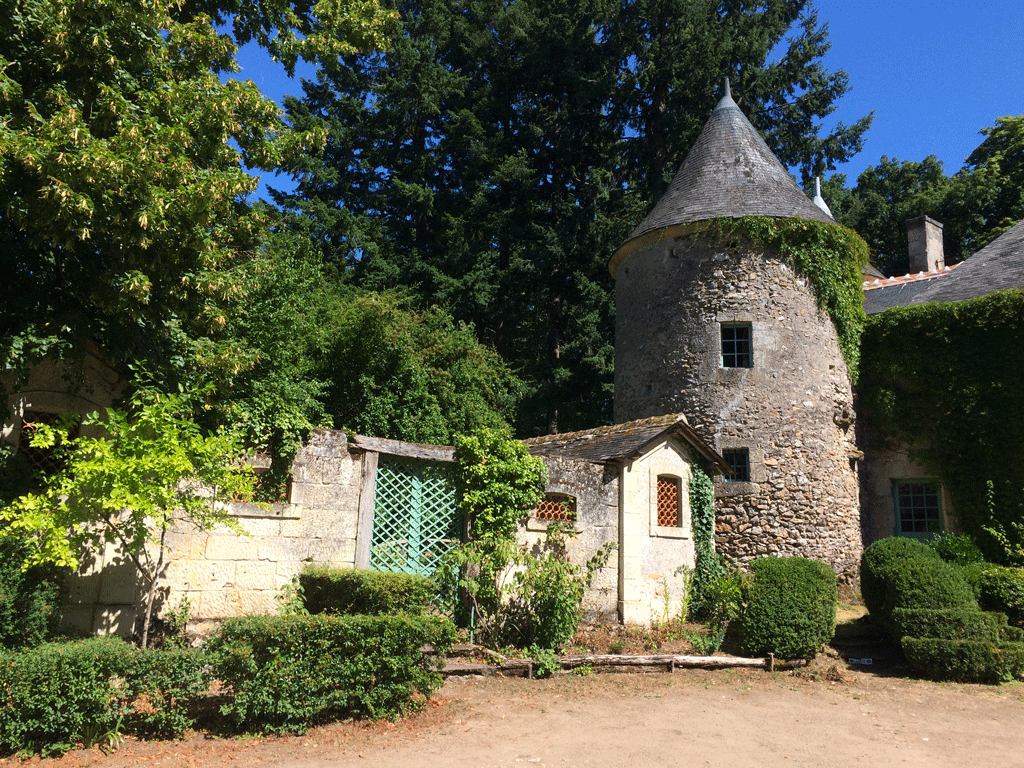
(732, 719)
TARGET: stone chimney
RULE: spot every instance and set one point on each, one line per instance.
(924, 241)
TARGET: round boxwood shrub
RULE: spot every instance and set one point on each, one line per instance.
(957, 549)
(791, 610)
(878, 558)
(923, 582)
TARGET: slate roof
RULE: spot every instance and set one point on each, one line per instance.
(729, 171)
(621, 441)
(882, 293)
(996, 267)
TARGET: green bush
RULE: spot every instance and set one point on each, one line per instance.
(791, 610)
(348, 591)
(29, 600)
(62, 694)
(878, 558)
(965, 660)
(972, 574)
(923, 582)
(287, 673)
(1002, 589)
(949, 624)
(1012, 634)
(956, 549)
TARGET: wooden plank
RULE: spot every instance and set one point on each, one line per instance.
(703, 662)
(367, 498)
(401, 448)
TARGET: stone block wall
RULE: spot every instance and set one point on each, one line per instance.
(596, 490)
(223, 573)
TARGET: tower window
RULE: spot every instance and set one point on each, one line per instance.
(669, 497)
(736, 346)
(738, 460)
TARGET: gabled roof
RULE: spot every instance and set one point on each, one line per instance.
(622, 441)
(729, 171)
(996, 267)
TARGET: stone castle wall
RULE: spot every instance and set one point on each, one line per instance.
(792, 410)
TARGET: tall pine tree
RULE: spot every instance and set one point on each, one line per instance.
(498, 152)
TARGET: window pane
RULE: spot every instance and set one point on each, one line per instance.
(738, 460)
(668, 502)
(736, 346)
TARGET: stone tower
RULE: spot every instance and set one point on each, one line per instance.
(728, 334)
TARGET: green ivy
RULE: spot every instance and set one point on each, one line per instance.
(945, 379)
(702, 513)
(828, 255)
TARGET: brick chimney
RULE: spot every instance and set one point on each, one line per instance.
(924, 241)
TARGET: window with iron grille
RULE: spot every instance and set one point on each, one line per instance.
(918, 508)
(669, 498)
(45, 461)
(556, 507)
(738, 460)
(736, 346)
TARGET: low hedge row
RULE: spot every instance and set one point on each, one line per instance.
(279, 673)
(286, 673)
(363, 592)
(949, 624)
(61, 694)
(791, 607)
(968, 661)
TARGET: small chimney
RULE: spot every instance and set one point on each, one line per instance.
(924, 242)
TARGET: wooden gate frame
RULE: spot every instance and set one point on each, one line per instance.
(372, 448)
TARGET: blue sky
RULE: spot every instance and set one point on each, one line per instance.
(935, 73)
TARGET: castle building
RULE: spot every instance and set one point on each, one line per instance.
(726, 332)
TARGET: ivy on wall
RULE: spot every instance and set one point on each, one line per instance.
(828, 255)
(947, 379)
(702, 515)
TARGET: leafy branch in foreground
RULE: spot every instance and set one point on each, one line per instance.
(127, 481)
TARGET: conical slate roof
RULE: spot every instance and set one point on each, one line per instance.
(730, 171)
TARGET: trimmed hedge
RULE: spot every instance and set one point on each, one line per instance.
(791, 608)
(1002, 589)
(62, 694)
(287, 673)
(965, 660)
(949, 624)
(878, 558)
(348, 591)
(923, 582)
(957, 549)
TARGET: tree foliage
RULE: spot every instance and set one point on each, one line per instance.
(125, 218)
(408, 375)
(975, 205)
(494, 156)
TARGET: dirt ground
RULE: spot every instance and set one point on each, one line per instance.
(833, 713)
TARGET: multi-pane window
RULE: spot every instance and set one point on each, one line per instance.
(738, 460)
(736, 346)
(669, 501)
(918, 510)
(558, 507)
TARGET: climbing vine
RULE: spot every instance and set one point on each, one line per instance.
(702, 512)
(828, 255)
(946, 379)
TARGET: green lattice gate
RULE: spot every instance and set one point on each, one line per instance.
(415, 516)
